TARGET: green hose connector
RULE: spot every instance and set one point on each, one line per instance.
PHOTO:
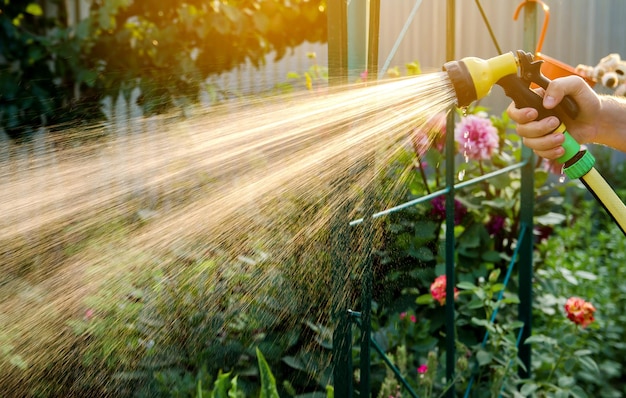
(580, 166)
(576, 163)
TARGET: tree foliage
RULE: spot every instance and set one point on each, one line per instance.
(52, 72)
(43, 67)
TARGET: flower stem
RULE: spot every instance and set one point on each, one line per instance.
(556, 364)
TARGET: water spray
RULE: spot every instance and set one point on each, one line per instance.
(473, 78)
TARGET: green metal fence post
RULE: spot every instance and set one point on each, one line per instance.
(367, 230)
(449, 248)
(527, 199)
(373, 39)
(368, 227)
(342, 334)
(357, 38)
(337, 19)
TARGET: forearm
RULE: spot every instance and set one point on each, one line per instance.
(611, 128)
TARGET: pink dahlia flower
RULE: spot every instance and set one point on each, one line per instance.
(477, 137)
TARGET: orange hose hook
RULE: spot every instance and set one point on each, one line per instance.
(546, 20)
(551, 68)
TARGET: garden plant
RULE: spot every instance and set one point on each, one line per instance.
(189, 326)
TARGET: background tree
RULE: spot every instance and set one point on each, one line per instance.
(52, 72)
(44, 78)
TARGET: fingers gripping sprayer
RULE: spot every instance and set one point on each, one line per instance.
(473, 78)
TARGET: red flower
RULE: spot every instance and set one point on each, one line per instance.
(422, 369)
(438, 289)
(579, 311)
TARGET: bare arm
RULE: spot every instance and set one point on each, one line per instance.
(601, 120)
(612, 122)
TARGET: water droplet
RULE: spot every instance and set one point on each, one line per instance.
(461, 175)
(562, 178)
(467, 146)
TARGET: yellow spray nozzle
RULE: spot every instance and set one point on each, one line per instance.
(473, 77)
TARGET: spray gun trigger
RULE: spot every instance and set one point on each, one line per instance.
(530, 72)
(530, 69)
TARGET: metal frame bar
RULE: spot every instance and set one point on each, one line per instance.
(527, 198)
(339, 48)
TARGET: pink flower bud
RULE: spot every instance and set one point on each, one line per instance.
(89, 314)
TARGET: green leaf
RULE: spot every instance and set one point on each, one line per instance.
(494, 275)
(586, 275)
(471, 237)
(501, 181)
(475, 304)
(515, 325)
(550, 219)
(222, 386)
(35, 53)
(510, 300)
(268, 382)
(11, 116)
(540, 338)
(232, 392)
(422, 253)
(589, 364)
(294, 363)
(491, 256)
(19, 362)
(480, 322)
(497, 287)
(34, 9)
(483, 357)
(426, 229)
(87, 76)
(568, 276)
(578, 392)
(528, 389)
(566, 381)
(466, 286)
(424, 299)
(199, 389)
(569, 364)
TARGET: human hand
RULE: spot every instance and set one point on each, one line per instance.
(537, 134)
